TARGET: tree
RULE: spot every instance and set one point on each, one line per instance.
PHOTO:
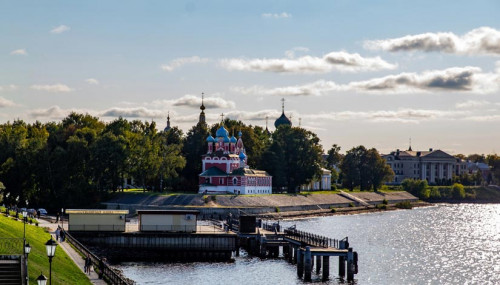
(194, 147)
(379, 170)
(294, 153)
(458, 191)
(417, 187)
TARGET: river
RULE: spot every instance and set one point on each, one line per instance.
(443, 244)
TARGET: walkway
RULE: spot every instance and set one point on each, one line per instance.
(77, 259)
(354, 198)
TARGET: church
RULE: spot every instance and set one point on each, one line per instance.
(225, 169)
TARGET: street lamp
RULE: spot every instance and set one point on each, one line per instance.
(50, 245)
(27, 250)
(41, 280)
(62, 214)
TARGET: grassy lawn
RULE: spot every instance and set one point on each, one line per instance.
(64, 271)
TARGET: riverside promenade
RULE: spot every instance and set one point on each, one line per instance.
(77, 258)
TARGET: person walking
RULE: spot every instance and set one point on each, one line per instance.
(88, 264)
(58, 233)
(63, 235)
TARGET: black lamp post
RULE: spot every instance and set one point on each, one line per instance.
(27, 250)
(62, 214)
(41, 280)
(50, 245)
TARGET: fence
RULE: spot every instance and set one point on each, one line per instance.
(104, 271)
(312, 239)
(11, 246)
(97, 228)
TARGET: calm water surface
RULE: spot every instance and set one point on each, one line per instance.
(445, 244)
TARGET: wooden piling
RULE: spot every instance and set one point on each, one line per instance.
(307, 264)
(318, 264)
(300, 263)
(326, 268)
(295, 254)
(290, 253)
(350, 265)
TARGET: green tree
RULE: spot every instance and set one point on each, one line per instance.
(300, 154)
(458, 191)
(417, 187)
(378, 169)
(194, 147)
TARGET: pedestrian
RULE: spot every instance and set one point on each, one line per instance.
(88, 264)
(58, 233)
(57, 218)
(63, 235)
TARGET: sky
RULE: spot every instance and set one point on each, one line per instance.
(372, 73)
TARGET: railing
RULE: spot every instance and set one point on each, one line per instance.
(104, 271)
(169, 228)
(11, 246)
(312, 239)
(97, 228)
(274, 227)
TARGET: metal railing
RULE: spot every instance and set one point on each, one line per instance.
(169, 228)
(311, 239)
(274, 227)
(104, 271)
(11, 246)
(97, 228)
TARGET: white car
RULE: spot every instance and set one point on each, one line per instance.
(42, 211)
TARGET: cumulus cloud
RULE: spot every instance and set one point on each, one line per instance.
(92, 81)
(6, 103)
(60, 29)
(138, 112)
(471, 104)
(281, 15)
(291, 53)
(52, 88)
(481, 41)
(21, 51)
(209, 102)
(341, 61)
(54, 112)
(178, 62)
(456, 79)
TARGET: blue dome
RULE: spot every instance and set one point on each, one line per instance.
(282, 120)
(210, 138)
(233, 139)
(226, 139)
(240, 134)
(221, 132)
(242, 156)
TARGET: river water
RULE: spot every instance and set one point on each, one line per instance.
(443, 244)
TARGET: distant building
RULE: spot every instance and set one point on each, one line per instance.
(325, 183)
(224, 168)
(432, 165)
(474, 167)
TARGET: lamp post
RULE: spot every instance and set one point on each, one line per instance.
(25, 218)
(50, 245)
(62, 214)
(27, 250)
(41, 280)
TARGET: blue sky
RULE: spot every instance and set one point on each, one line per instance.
(356, 72)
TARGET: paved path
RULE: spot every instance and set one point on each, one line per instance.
(77, 259)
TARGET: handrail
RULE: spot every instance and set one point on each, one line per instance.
(104, 271)
(311, 239)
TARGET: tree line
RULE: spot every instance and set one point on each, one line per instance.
(78, 161)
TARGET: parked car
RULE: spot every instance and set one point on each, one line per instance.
(42, 211)
(32, 212)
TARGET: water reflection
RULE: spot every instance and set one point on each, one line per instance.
(445, 244)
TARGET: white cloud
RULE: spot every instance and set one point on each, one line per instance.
(481, 41)
(138, 112)
(456, 79)
(254, 116)
(341, 61)
(472, 104)
(209, 102)
(10, 87)
(178, 62)
(60, 29)
(281, 15)
(19, 52)
(92, 81)
(52, 88)
(291, 53)
(54, 112)
(6, 103)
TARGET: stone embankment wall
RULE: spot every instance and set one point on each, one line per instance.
(262, 204)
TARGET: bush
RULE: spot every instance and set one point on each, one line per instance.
(404, 205)
(214, 198)
(435, 193)
(351, 204)
(458, 191)
(385, 202)
(332, 209)
(277, 209)
(381, 206)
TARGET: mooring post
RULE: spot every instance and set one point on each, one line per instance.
(300, 263)
(350, 265)
(318, 264)
(326, 268)
(307, 264)
(290, 253)
(295, 254)
(342, 260)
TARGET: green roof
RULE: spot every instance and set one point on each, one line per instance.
(213, 171)
(248, 172)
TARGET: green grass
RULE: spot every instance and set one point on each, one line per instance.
(64, 270)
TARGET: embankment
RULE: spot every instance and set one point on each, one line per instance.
(281, 204)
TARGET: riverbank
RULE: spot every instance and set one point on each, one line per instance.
(263, 205)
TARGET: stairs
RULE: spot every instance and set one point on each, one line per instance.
(10, 272)
(353, 198)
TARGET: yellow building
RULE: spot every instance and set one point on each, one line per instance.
(168, 220)
(96, 220)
